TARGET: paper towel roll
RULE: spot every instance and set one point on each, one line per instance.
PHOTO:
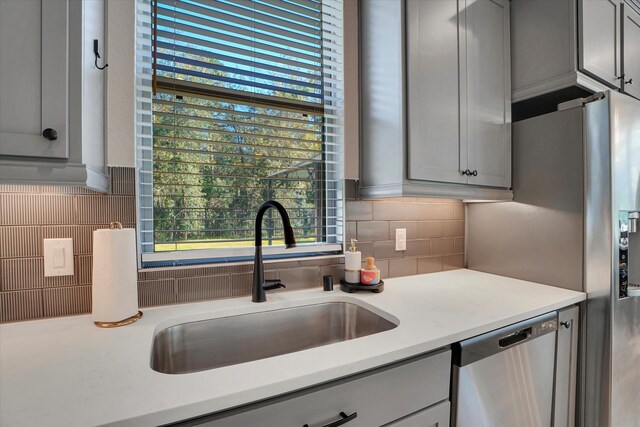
(115, 275)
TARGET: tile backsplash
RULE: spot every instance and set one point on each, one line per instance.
(30, 213)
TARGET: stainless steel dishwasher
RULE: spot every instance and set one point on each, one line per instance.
(505, 378)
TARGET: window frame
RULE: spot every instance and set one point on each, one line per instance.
(149, 258)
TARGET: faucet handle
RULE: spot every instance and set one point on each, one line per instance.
(275, 284)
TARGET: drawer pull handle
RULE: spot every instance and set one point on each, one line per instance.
(344, 418)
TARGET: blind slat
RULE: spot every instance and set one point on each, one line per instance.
(246, 106)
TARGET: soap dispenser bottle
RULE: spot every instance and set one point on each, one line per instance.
(352, 264)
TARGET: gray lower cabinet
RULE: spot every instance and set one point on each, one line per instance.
(575, 46)
(411, 393)
(51, 93)
(435, 98)
(435, 416)
(564, 407)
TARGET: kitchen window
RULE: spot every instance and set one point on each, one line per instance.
(239, 102)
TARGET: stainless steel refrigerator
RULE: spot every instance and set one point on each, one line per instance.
(573, 224)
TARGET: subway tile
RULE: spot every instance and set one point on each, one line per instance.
(453, 228)
(429, 229)
(241, 284)
(65, 189)
(300, 278)
(452, 262)
(417, 248)
(366, 249)
(411, 211)
(16, 242)
(424, 212)
(28, 273)
(123, 181)
(351, 231)
(458, 245)
(335, 271)
(387, 211)
(441, 211)
(429, 264)
(19, 188)
(102, 209)
(155, 275)
(386, 249)
(403, 267)
(66, 301)
(359, 211)
(83, 267)
(203, 288)
(410, 226)
(156, 292)
(458, 210)
(383, 265)
(313, 262)
(36, 209)
(442, 246)
(373, 230)
(20, 305)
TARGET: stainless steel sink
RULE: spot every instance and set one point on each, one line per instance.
(214, 343)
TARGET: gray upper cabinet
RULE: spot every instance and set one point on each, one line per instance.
(33, 82)
(599, 36)
(485, 83)
(435, 103)
(433, 94)
(573, 46)
(631, 50)
(51, 93)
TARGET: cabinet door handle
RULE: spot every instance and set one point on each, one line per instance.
(474, 173)
(344, 418)
(466, 172)
(566, 324)
(629, 82)
(50, 134)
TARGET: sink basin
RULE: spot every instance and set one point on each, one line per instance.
(214, 343)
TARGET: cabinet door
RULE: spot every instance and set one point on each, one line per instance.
(485, 101)
(566, 368)
(432, 91)
(599, 39)
(631, 51)
(377, 398)
(435, 416)
(33, 82)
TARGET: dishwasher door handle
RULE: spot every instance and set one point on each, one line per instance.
(515, 338)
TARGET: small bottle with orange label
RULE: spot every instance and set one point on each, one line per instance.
(370, 274)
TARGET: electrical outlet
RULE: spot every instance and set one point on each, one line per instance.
(401, 239)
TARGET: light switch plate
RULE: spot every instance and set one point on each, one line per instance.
(401, 239)
(58, 257)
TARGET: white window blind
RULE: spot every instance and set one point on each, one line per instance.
(246, 107)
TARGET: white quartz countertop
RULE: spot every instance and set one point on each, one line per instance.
(66, 372)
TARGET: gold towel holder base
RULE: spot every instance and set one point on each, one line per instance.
(123, 322)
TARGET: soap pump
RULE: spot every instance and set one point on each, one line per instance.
(352, 263)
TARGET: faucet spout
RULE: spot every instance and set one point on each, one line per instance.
(258, 291)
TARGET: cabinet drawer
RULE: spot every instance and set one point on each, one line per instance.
(435, 416)
(379, 397)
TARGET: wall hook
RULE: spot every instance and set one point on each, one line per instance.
(97, 54)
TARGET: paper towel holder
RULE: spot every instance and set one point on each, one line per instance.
(117, 225)
(123, 322)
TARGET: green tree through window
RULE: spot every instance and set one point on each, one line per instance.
(239, 118)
